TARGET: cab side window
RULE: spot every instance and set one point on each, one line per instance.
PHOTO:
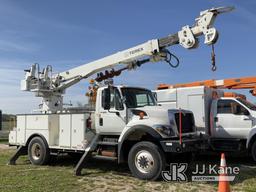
(231, 106)
(118, 104)
(112, 99)
(105, 98)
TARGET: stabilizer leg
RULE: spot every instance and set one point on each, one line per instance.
(20, 151)
(86, 155)
(81, 163)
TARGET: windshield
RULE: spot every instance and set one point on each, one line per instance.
(136, 97)
(247, 104)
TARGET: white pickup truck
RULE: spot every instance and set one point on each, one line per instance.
(229, 122)
(126, 125)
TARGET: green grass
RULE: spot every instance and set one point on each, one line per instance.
(102, 175)
(3, 141)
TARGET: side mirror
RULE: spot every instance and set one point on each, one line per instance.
(155, 95)
(246, 113)
(239, 110)
(106, 98)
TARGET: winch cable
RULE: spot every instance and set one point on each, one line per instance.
(214, 68)
(180, 125)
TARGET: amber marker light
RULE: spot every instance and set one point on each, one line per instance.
(141, 114)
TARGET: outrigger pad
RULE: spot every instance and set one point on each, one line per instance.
(22, 150)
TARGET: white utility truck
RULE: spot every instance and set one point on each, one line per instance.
(228, 122)
(125, 124)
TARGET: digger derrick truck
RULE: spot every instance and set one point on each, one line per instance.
(126, 125)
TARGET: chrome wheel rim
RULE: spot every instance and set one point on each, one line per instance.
(36, 151)
(144, 161)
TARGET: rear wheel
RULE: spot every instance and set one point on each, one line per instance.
(146, 161)
(38, 151)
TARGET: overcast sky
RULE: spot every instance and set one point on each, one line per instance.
(65, 34)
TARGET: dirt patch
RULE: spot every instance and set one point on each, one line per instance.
(5, 146)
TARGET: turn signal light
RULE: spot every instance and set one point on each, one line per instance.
(141, 114)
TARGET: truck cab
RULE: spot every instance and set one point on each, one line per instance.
(121, 107)
(233, 119)
(118, 106)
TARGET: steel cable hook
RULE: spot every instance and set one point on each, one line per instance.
(214, 68)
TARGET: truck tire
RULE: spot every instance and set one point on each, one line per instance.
(38, 151)
(253, 151)
(146, 161)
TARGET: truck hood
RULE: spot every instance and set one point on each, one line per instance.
(158, 113)
(163, 116)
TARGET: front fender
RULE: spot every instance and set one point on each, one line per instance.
(128, 131)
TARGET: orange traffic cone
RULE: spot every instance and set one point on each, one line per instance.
(223, 183)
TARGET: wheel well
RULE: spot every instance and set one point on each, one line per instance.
(252, 140)
(134, 138)
(36, 135)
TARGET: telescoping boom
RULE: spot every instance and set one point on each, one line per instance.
(51, 87)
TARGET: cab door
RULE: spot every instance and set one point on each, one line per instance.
(232, 120)
(112, 112)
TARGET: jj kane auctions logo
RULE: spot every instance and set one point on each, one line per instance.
(178, 172)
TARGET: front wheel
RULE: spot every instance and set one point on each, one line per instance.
(146, 161)
(38, 151)
(253, 151)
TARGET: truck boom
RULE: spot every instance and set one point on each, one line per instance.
(52, 87)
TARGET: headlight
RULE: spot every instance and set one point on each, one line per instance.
(164, 130)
